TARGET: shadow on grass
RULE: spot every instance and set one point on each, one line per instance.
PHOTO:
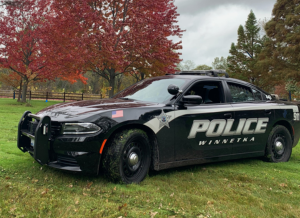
(198, 167)
(81, 177)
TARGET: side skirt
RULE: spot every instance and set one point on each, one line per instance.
(181, 163)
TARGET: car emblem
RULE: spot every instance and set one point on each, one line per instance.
(163, 119)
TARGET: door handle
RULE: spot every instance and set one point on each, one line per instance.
(228, 115)
(268, 111)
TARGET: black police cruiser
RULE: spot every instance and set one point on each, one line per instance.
(191, 117)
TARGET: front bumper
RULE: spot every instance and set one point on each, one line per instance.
(44, 143)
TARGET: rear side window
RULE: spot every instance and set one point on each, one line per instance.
(257, 95)
(240, 93)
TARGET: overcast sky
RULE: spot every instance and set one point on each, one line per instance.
(211, 25)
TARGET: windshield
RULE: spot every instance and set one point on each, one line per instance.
(151, 90)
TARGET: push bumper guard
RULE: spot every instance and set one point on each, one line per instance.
(37, 139)
(39, 143)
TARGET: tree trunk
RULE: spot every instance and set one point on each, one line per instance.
(20, 89)
(119, 82)
(112, 79)
(24, 90)
(142, 76)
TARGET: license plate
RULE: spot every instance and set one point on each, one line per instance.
(32, 142)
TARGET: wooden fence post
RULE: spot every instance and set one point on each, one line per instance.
(30, 95)
(14, 96)
(46, 96)
(64, 96)
(82, 96)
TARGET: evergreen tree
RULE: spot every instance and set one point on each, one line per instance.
(282, 50)
(242, 63)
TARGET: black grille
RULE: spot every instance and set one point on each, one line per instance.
(66, 160)
(55, 127)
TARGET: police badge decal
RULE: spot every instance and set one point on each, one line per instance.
(163, 119)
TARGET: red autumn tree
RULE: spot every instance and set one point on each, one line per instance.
(111, 37)
(23, 47)
(11, 79)
(20, 40)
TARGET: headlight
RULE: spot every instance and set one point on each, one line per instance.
(80, 128)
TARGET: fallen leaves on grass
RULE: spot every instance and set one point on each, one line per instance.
(122, 206)
(283, 185)
(152, 214)
(45, 191)
(7, 177)
(171, 195)
(12, 209)
(210, 202)
(89, 185)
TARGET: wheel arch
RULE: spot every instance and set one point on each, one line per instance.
(151, 136)
(287, 125)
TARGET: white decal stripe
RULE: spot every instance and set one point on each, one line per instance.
(295, 108)
(154, 123)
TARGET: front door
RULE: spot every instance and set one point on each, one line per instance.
(199, 128)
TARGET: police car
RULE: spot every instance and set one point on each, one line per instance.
(191, 117)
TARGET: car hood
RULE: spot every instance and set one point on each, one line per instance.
(80, 110)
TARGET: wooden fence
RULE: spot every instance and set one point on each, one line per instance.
(64, 96)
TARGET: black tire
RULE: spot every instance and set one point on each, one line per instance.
(127, 157)
(279, 145)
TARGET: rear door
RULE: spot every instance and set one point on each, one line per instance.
(253, 116)
(199, 128)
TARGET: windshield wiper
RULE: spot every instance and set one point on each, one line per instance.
(125, 98)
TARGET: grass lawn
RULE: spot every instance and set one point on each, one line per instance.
(242, 188)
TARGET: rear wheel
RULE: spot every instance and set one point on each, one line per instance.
(128, 156)
(279, 145)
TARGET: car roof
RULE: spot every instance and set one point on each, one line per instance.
(202, 77)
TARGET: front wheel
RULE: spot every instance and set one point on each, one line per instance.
(128, 156)
(279, 145)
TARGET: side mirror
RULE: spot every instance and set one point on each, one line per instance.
(173, 90)
(191, 99)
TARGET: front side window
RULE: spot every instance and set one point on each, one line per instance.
(211, 92)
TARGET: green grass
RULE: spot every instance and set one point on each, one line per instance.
(242, 188)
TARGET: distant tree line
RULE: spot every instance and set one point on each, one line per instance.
(270, 61)
(103, 46)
